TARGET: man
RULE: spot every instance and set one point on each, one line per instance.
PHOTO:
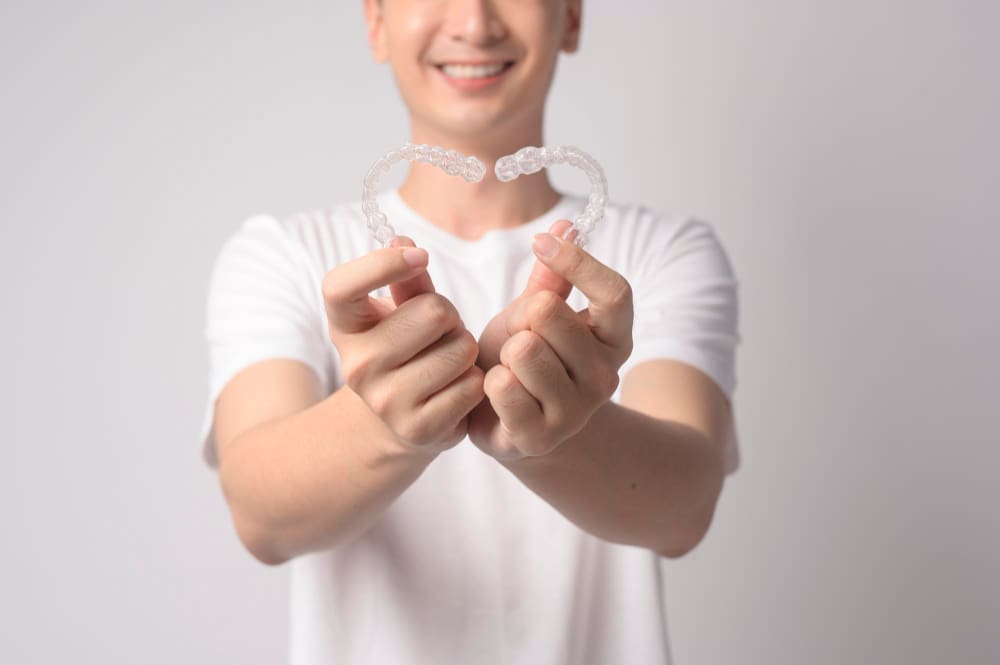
(487, 461)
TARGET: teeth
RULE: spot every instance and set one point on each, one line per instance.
(472, 71)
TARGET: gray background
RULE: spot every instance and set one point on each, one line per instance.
(846, 153)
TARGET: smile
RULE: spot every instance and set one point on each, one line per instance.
(473, 76)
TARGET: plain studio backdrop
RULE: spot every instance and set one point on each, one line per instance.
(846, 153)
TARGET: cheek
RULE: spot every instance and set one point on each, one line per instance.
(416, 27)
(407, 37)
(541, 49)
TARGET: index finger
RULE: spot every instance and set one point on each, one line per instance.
(406, 289)
(346, 287)
(610, 310)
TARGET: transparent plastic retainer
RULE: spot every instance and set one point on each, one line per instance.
(525, 161)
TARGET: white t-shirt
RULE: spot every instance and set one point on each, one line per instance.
(468, 565)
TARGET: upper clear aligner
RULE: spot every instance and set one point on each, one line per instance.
(525, 161)
(532, 159)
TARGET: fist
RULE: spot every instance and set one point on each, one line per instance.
(409, 357)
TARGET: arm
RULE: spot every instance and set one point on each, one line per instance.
(301, 473)
(646, 472)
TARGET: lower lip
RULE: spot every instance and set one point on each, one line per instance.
(476, 83)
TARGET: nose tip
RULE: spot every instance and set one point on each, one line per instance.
(475, 21)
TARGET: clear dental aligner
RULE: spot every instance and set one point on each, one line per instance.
(530, 160)
(525, 161)
(451, 162)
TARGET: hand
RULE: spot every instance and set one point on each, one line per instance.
(548, 367)
(409, 357)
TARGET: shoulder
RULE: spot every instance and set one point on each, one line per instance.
(637, 239)
(318, 237)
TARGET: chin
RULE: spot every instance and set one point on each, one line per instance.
(477, 127)
(478, 123)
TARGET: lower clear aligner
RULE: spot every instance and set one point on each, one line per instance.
(525, 161)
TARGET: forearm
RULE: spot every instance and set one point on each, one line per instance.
(315, 479)
(630, 478)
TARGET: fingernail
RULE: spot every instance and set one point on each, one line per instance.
(415, 256)
(560, 228)
(545, 245)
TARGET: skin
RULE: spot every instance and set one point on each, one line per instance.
(411, 36)
(303, 472)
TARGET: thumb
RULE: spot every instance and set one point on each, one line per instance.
(405, 289)
(542, 277)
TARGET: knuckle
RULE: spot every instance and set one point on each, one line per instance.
(439, 311)
(356, 368)
(621, 291)
(527, 346)
(612, 383)
(477, 380)
(470, 391)
(497, 382)
(606, 384)
(554, 420)
(468, 347)
(380, 400)
(401, 323)
(561, 427)
(451, 353)
(414, 430)
(490, 383)
(545, 306)
(510, 396)
(426, 374)
(626, 351)
(333, 290)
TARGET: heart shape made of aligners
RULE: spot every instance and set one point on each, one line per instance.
(525, 161)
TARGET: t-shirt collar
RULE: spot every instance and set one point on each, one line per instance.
(407, 221)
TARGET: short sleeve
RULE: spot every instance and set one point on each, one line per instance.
(686, 299)
(263, 302)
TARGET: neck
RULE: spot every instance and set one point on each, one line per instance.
(467, 209)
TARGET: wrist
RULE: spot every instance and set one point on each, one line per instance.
(395, 448)
(563, 452)
(553, 458)
(373, 443)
